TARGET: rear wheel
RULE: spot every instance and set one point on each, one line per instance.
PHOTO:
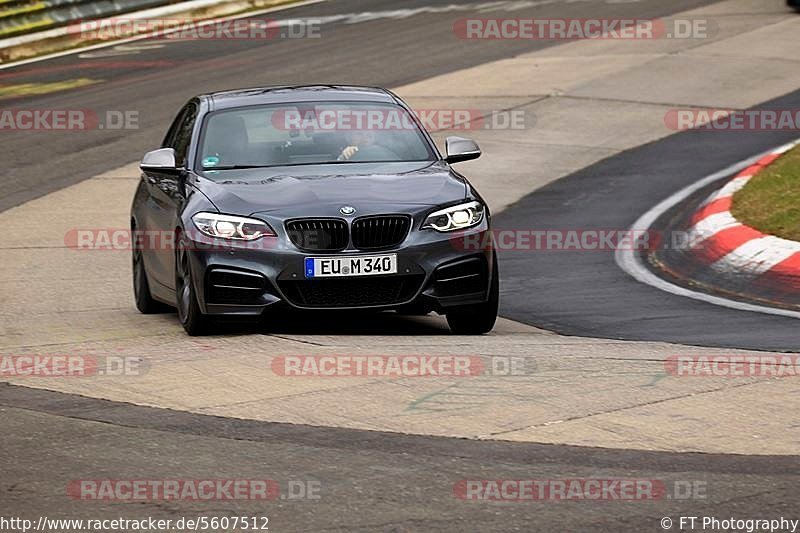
(141, 288)
(479, 318)
(192, 319)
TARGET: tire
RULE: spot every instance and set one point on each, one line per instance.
(141, 288)
(480, 318)
(192, 319)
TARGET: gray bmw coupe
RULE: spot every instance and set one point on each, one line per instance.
(313, 197)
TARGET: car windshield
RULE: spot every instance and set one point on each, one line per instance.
(311, 133)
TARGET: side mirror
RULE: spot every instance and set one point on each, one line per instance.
(161, 160)
(460, 149)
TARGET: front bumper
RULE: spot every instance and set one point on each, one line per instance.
(436, 271)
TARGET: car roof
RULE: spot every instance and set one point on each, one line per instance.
(296, 93)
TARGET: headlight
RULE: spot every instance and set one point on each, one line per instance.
(231, 227)
(456, 217)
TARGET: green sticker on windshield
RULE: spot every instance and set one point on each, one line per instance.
(211, 161)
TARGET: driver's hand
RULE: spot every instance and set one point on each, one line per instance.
(347, 153)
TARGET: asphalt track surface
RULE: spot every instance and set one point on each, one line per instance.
(369, 481)
(375, 481)
(587, 294)
(388, 51)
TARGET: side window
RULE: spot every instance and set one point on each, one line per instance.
(169, 138)
(179, 135)
(183, 134)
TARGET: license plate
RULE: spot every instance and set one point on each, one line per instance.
(361, 265)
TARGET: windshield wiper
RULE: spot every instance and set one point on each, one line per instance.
(313, 163)
(236, 167)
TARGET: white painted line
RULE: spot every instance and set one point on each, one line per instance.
(156, 12)
(730, 188)
(629, 261)
(711, 225)
(785, 148)
(757, 256)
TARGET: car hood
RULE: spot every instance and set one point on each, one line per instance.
(311, 190)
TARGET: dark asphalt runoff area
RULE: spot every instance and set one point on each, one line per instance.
(361, 480)
(372, 481)
(587, 294)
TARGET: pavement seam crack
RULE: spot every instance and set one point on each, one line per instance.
(295, 395)
(456, 125)
(640, 102)
(618, 410)
(300, 341)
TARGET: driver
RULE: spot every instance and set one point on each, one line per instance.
(356, 141)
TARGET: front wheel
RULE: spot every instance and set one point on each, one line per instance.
(192, 319)
(479, 318)
(145, 302)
